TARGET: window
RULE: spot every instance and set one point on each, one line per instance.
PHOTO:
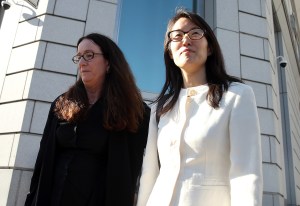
(142, 28)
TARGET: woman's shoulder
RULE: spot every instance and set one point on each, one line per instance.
(57, 98)
(53, 103)
(239, 92)
(239, 88)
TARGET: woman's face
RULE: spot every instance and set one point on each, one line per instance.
(189, 55)
(93, 71)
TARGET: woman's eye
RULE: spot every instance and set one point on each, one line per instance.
(88, 55)
(177, 35)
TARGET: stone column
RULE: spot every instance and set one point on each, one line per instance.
(37, 45)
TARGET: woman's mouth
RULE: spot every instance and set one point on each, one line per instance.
(185, 50)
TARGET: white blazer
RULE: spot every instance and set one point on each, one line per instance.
(208, 157)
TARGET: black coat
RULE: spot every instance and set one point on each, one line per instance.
(125, 156)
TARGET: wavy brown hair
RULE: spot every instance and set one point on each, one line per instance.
(122, 101)
(217, 78)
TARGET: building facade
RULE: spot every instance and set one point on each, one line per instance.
(260, 41)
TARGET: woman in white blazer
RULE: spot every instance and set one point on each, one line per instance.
(204, 139)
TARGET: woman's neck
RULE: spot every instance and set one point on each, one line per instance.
(193, 80)
(93, 95)
(193, 75)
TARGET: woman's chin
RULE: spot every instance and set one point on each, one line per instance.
(86, 80)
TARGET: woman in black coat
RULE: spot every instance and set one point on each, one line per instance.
(92, 147)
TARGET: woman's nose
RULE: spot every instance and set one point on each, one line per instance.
(186, 39)
(82, 61)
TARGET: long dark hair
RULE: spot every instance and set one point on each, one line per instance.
(217, 78)
(123, 103)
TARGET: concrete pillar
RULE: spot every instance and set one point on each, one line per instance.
(37, 45)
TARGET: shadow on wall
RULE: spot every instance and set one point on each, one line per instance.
(19, 186)
(31, 15)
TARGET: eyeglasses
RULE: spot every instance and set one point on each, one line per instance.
(193, 34)
(88, 56)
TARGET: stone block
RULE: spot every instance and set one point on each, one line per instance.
(98, 15)
(227, 16)
(24, 151)
(6, 143)
(13, 87)
(256, 70)
(265, 147)
(26, 32)
(252, 46)
(74, 9)
(229, 43)
(253, 6)
(5, 179)
(252, 24)
(273, 178)
(267, 121)
(26, 57)
(267, 200)
(23, 187)
(58, 58)
(260, 92)
(39, 117)
(60, 30)
(16, 117)
(46, 86)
